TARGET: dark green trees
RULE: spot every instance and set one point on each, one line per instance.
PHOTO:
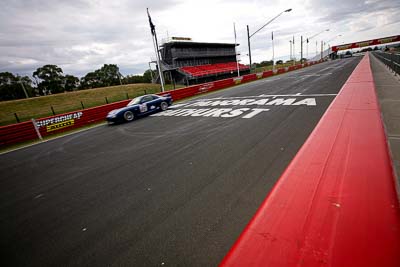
(15, 87)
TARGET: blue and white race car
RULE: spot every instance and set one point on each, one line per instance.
(140, 106)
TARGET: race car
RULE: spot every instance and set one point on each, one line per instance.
(140, 106)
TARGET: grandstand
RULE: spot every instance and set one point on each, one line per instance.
(188, 62)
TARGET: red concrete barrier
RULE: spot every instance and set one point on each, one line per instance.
(280, 71)
(25, 131)
(267, 73)
(16, 133)
(336, 203)
(249, 77)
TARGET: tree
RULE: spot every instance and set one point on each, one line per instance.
(279, 62)
(264, 63)
(12, 87)
(148, 74)
(108, 75)
(70, 82)
(91, 80)
(145, 78)
(133, 79)
(49, 79)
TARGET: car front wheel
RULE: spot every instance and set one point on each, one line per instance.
(129, 116)
(163, 106)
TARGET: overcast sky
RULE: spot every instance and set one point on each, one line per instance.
(81, 35)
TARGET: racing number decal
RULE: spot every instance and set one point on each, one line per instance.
(143, 108)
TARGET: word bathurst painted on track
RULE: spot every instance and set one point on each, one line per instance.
(214, 112)
(183, 110)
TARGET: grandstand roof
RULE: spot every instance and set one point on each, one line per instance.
(186, 44)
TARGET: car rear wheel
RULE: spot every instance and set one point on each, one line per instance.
(163, 106)
(129, 116)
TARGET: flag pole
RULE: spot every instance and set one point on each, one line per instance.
(236, 55)
(155, 43)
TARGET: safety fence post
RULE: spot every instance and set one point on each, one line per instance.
(37, 129)
(16, 117)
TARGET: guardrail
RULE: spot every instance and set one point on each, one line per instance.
(389, 59)
(336, 203)
(36, 129)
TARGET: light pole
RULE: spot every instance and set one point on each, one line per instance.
(23, 87)
(315, 35)
(251, 35)
(290, 41)
(273, 53)
(301, 49)
(333, 38)
(294, 52)
(151, 72)
(236, 55)
(322, 49)
(307, 47)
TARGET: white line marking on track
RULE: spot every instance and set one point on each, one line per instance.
(245, 97)
(38, 196)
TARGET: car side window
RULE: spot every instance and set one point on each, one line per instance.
(147, 99)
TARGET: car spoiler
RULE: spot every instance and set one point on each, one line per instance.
(166, 95)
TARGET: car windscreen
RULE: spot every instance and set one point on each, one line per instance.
(135, 101)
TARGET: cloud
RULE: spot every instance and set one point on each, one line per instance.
(358, 18)
(79, 36)
(82, 35)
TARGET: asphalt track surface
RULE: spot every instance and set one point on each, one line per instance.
(174, 189)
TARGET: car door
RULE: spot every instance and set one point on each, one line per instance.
(148, 104)
(153, 104)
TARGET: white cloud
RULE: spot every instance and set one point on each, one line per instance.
(82, 35)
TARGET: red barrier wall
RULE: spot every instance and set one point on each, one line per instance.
(267, 73)
(280, 71)
(16, 133)
(81, 118)
(249, 77)
(336, 203)
(25, 131)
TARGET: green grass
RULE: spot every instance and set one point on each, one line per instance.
(267, 68)
(39, 107)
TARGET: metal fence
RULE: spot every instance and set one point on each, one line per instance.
(389, 59)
